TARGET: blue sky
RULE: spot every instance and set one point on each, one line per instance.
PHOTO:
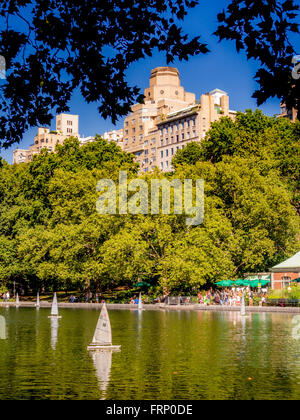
(222, 68)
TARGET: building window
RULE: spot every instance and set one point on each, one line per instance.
(146, 152)
(133, 139)
(177, 138)
(167, 153)
(172, 151)
(126, 132)
(167, 141)
(146, 142)
(162, 154)
(286, 281)
(141, 127)
(182, 136)
(133, 129)
(162, 165)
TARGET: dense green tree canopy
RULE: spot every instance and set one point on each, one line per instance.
(51, 235)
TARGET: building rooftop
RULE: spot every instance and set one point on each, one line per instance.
(291, 264)
(217, 91)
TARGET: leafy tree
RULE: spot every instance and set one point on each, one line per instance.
(189, 155)
(262, 28)
(51, 236)
(272, 142)
(54, 47)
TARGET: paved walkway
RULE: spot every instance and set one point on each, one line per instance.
(216, 308)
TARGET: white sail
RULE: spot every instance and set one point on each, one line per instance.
(243, 308)
(54, 308)
(54, 331)
(102, 334)
(17, 300)
(102, 362)
(38, 300)
(140, 301)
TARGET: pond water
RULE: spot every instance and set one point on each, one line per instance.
(164, 355)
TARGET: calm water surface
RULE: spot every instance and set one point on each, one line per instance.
(164, 355)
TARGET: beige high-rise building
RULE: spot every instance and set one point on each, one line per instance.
(169, 119)
(190, 124)
(164, 95)
(66, 126)
(115, 136)
(290, 114)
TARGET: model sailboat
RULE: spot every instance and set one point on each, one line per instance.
(54, 308)
(102, 337)
(17, 300)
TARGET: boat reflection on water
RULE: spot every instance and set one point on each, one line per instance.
(54, 332)
(102, 361)
(3, 332)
